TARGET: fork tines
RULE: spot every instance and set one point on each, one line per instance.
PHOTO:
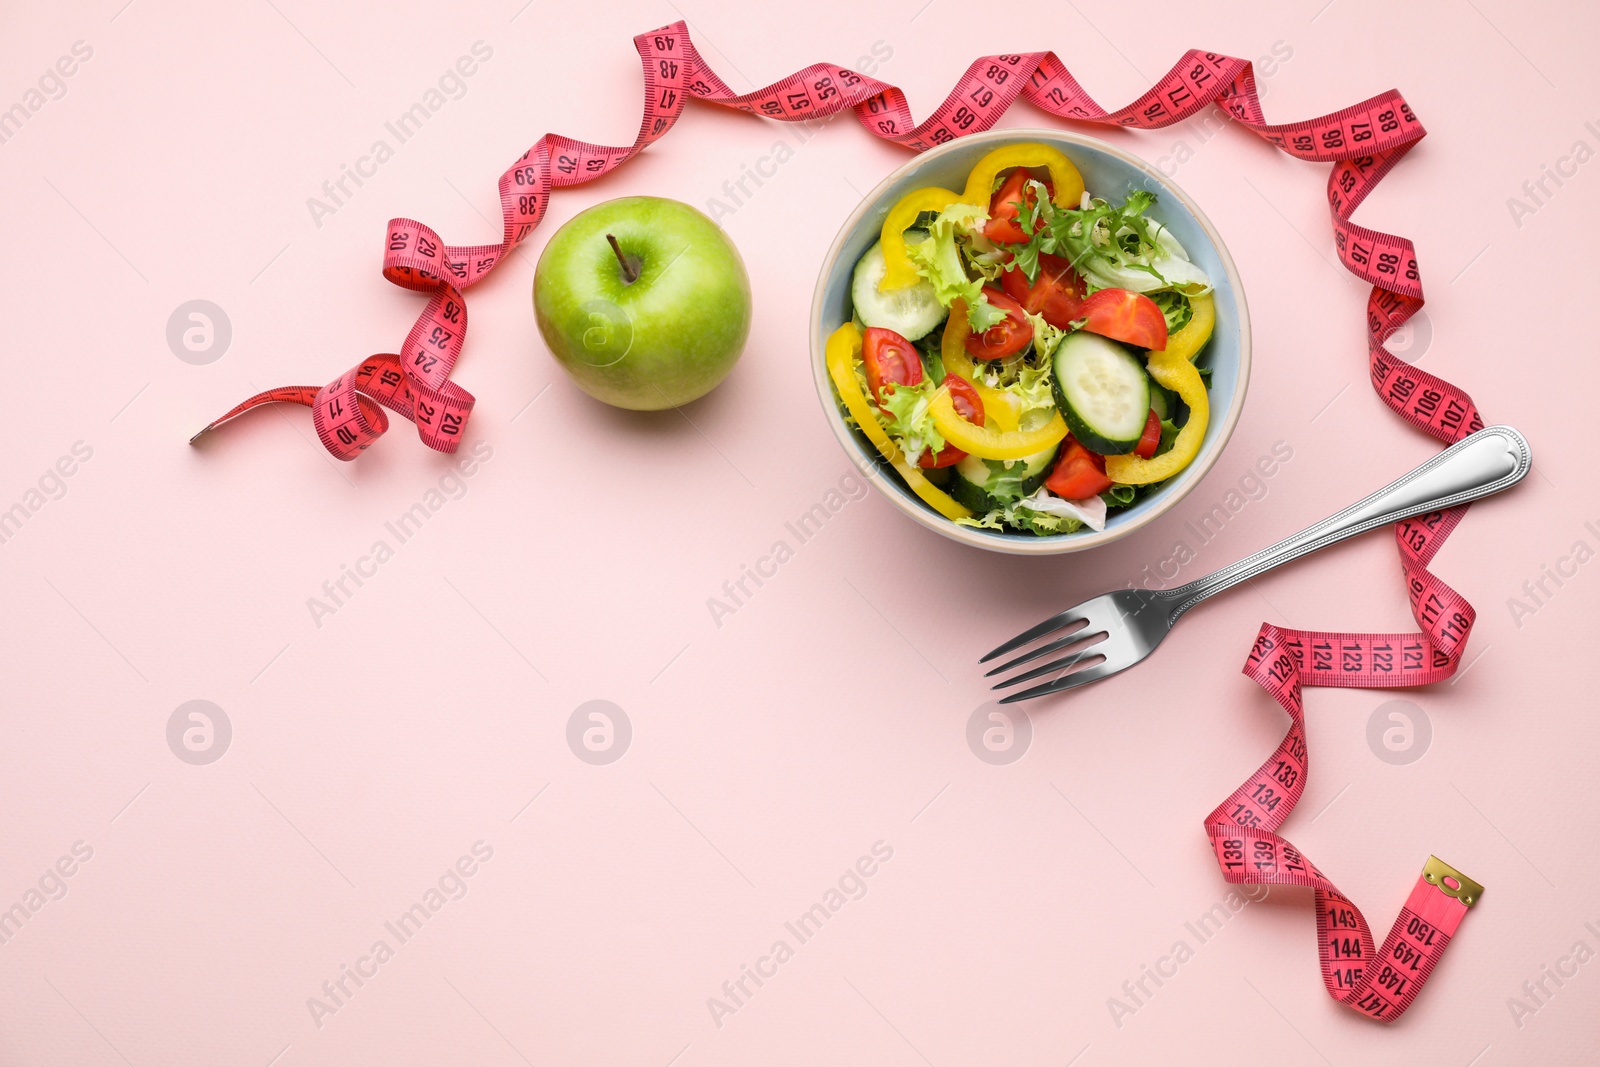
(1050, 625)
(1084, 643)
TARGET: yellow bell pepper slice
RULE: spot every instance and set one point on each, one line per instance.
(843, 347)
(1003, 440)
(1063, 175)
(990, 442)
(1197, 331)
(1173, 368)
(899, 271)
(999, 407)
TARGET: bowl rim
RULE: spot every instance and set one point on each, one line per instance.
(867, 462)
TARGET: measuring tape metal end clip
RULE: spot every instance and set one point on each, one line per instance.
(1451, 882)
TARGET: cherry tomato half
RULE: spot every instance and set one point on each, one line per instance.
(1150, 440)
(1002, 224)
(1078, 473)
(1126, 316)
(1012, 334)
(964, 398)
(1057, 294)
(889, 359)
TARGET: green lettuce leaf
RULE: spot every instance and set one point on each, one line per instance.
(931, 349)
(983, 316)
(1110, 245)
(1169, 434)
(1028, 381)
(1175, 306)
(989, 264)
(910, 419)
(1005, 480)
(1045, 336)
(939, 260)
(1119, 496)
(1021, 517)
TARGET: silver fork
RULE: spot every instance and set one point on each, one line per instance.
(1112, 632)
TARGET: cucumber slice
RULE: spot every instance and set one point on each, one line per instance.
(986, 484)
(1103, 392)
(1162, 402)
(968, 495)
(911, 312)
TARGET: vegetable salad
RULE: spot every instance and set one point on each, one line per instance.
(1023, 353)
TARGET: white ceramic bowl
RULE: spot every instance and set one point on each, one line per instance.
(1108, 172)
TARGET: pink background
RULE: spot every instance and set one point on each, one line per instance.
(830, 711)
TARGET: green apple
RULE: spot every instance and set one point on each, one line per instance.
(644, 302)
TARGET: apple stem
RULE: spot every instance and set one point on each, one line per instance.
(630, 269)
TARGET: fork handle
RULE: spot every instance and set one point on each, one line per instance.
(1494, 458)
